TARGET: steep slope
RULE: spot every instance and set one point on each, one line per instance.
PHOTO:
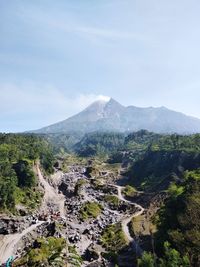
(112, 116)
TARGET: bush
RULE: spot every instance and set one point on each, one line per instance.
(90, 210)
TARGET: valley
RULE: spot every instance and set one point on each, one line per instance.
(112, 201)
(58, 207)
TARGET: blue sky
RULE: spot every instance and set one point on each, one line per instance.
(56, 57)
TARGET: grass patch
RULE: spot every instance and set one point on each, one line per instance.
(113, 238)
(81, 182)
(74, 259)
(129, 191)
(114, 167)
(30, 198)
(90, 210)
(46, 252)
(98, 182)
(142, 226)
(113, 201)
(70, 159)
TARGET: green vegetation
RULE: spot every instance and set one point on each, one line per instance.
(175, 190)
(147, 260)
(90, 210)
(62, 143)
(140, 140)
(70, 159)
(30, 198)
(112, 167)
(18, 154)
(157, 169)
(171, 258)
(129, 191)
(142, 226)
(48, 251)
(178, 220)
(113, 238)
(74, 259)
(157, 159)
(167, 163)
(113, 201)
(79, 185)
(144, 140)
(93, 171)
(99, 144)
(25, 174)
(111, 144)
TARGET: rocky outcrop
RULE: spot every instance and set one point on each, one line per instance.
(10, 226)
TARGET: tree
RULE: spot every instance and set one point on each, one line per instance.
(172, 258)
(25, 175)
(147, 260)
(8, 182)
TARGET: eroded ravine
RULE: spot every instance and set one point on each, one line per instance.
(51, 196)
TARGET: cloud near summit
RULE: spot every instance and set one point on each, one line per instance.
(43, 104)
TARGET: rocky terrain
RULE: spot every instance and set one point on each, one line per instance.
(65, 212)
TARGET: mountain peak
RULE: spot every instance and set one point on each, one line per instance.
(112, 100)
(109, 115)
(113, 103)
(97, 105)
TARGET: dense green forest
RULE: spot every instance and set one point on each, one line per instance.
(18, 153)
(161, 159)
(63, 143)
(145, 140)
(179, 219)
(109, 143)
(177, 240)
(99, 144)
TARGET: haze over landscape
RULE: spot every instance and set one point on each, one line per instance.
(57, 57)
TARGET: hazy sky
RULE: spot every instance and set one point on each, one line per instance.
(56, 57)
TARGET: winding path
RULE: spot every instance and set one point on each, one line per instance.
(125, 221)
(9, 242)
(51, 197)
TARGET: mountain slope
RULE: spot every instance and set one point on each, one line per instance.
(112, 116)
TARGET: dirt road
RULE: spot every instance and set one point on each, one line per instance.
(51, 199)
(9, 242)
(125, 221)
(51, 196)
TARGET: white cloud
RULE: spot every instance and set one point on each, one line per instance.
(73, 25)
(108, 33)
(82, 101)
(43, 104)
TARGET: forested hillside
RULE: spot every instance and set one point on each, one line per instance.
(18, 153)
(177, 240)
(99, 144)
(164, 158)
(178, 221)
